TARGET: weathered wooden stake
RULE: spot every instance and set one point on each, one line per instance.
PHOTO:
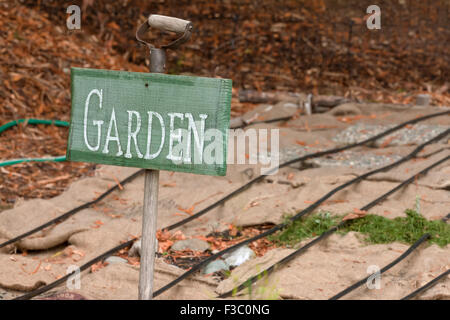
(148, 247)
(150, 210)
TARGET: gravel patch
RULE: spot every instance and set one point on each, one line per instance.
(366, 160)
(414, 135)
(361, 160)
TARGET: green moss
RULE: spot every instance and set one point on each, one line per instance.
(305, 228)
(377, 229)
(402, 229)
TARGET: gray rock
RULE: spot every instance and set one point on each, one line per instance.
(114, 260)
(236, 122)
(135, 249)
(265, 112)
(190, 244)
(346, 109)
(215, 266)
(238, 256)
(423, 99)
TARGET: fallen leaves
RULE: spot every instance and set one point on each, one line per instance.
(36, 269)
(355, 215)
(97, 266)
(97, 224)
(166, 239)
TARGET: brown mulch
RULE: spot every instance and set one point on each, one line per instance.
(35, 61)
(297, 46)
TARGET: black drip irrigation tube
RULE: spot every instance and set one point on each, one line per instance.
(56, 283)
(276, 228)
(227, 197)
(300, 214)
(405, 254)
(72, 211)
(303, 158)
(427, 285)
(335, 228)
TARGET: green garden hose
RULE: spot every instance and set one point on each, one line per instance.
(11, 124)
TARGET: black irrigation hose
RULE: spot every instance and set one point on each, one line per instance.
(427, 285)
(72, 211)
(318, 154)
(82, 268)
(242, 126)
(302, 158)
(329, 231)
(230, 195)
(300, 214)
(422, 239)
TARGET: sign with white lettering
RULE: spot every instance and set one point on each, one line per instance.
(150, 120)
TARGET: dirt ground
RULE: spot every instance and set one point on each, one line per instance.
(321, 272)
(321, 48)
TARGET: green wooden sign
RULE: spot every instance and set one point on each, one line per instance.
(150, 120)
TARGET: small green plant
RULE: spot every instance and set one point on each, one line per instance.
(377, 229)
(305, 228)
(402, 229)
(262, 289)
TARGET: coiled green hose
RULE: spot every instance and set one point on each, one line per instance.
(11, 124)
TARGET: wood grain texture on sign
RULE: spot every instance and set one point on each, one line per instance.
(150, 120)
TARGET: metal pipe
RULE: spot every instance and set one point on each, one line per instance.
(157, 60)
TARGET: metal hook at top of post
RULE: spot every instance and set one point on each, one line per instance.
(169, 24)
(164, 23)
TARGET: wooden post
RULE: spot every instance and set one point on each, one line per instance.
(150, 209)
(148, 248)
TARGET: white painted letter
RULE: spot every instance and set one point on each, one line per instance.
(115, 138)
(174, 136)
(199, 138)
(97, 123)
(149, 156)
(133, 134)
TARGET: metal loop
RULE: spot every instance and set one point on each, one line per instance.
(143, 28)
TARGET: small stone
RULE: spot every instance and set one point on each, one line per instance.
(64, 296)
(114, 260)
(239, 256)
(190, 244)
(236, 122)
(423, 99)
(215, 266)
(135, 249)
